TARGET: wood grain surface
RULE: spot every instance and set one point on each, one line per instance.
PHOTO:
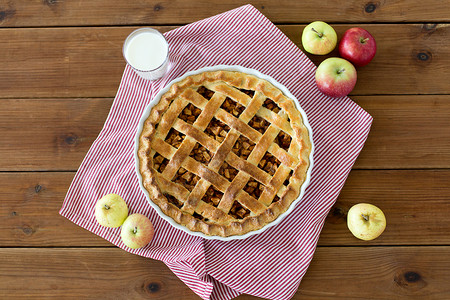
(411, 199)
(407, 132)
(59, 137)
(60, 67)
(88, 62)
(84, 12)
(86, 273)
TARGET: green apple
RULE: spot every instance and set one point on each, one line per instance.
(111, 210)
(319, 38)
(137, 231)
(366, 221)
(336, 77)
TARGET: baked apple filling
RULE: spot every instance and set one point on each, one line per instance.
(217, 130)
(190, 113)
(243, 147)
(174, 138)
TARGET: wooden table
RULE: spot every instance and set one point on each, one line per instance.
(60, 67)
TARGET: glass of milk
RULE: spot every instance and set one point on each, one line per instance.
(147, 52)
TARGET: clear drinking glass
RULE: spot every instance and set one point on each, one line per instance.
(146, 51)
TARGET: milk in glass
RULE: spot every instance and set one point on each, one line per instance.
(146, 51)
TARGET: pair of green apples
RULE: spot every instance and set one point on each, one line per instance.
(112, 211)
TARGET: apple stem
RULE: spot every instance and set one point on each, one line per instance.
(365, 217)
(340, 71)
(135, 230)
(106, 207)
(363, 41)
(318, 33)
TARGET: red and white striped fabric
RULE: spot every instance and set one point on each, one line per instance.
(269, 265)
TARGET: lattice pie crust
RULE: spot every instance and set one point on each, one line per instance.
(224, 153)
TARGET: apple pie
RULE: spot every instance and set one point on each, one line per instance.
(224, 153)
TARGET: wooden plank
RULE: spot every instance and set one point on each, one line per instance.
(87, 62)
(30, 203)
(49, 134)
(377, 273)
(407, 60)
(335, 273)
(83, 12)
(407, 132)
(415, 203)
(102, 273)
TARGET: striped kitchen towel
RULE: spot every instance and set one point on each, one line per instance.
(271, 264)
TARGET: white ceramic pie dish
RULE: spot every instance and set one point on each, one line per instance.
(156, 99)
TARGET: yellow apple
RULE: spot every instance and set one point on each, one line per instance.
(111, 211)
(366, 221)
(319, 38)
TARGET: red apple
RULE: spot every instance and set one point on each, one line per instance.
(358, 46)
(111, 211)
(336, 77)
